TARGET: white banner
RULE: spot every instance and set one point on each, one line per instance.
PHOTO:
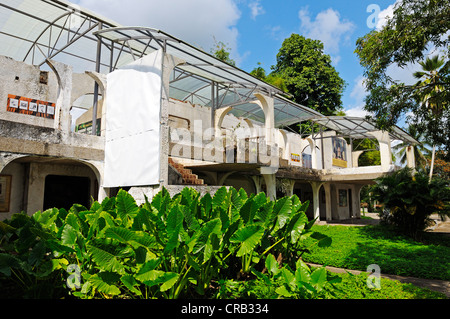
(132, 149)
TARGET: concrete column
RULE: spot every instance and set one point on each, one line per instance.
(271, 185)
(327, 188)
(257, 180)
(63, 74)
(168, 64)
(410, 157)
(312, 145)
(357, 200)
(290, 191)
(101, 80)
(385, 149)
(316, 204)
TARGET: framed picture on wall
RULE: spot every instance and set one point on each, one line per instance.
(343, 198)
(5, 193)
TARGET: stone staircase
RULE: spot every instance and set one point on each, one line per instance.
(186, 174)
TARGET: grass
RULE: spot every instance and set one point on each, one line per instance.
(358, 247)
(351, 287)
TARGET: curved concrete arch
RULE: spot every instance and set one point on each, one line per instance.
(285, 145)
(219, 117)
(5, 161)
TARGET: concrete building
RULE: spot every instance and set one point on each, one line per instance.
(90, 106)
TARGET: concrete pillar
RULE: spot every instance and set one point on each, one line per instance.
(357, 201)
(271, 185)
(257, 180)
(101, 80)
(290, 190)
(410, 157)
(312, 145)
(63, 74)
(328, 213)
(385, 149)
(316, 204)
(169, 63)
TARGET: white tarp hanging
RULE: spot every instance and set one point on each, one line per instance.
(132, 149)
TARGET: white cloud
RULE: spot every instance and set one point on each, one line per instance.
(357, 111)
(193, 21)
(358, 94)
(327, 27)
(385, 15)
(256, 9)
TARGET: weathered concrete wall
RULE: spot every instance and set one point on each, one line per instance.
(34, 140)
(28, 182)
(20, 79)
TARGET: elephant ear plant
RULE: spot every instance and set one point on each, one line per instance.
(164, 248)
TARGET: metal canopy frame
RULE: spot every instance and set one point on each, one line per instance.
(358, 128)
(34, 31)
(203, 79)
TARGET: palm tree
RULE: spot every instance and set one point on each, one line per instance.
(421, 151)
(430, 90)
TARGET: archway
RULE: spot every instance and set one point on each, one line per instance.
(238, 181)
(39, 183)
(304, 192)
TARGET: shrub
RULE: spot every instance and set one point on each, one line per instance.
(409, 199)
(166, 248)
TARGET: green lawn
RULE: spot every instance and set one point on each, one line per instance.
(358, 247)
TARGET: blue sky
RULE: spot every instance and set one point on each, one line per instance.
(336, 23)
(254, 30)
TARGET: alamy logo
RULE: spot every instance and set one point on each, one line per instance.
(374, 278)
(74, 280)
(372, 20)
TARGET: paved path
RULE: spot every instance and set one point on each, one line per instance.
(441, 227)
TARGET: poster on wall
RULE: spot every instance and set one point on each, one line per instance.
(295, 157)
(5, 193)
(23, 105)
(339, 152)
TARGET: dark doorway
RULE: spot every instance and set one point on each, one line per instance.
(64, 191)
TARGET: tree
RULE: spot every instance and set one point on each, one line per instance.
(415, 27)
(222, 52)
(273, 79)
(308, 74)
(429, 92)
(420, 150)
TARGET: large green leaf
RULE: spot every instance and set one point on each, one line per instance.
(201, 238)
(272, 265)
(319, 278)
(126, 206)
(158, 277)
(105, 282)
(221, 199)
(302, 273)
(130, 282)
(173, 226)
(107, 260)
(248, 237)
(69, 236)
(296, 226)
(282, 209)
